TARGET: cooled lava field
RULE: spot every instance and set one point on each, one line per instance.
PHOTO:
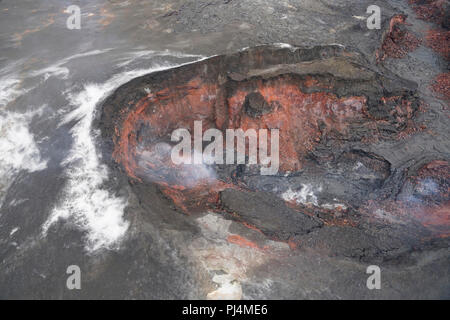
(362, 177)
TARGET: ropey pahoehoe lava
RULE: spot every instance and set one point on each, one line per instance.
(330, 106)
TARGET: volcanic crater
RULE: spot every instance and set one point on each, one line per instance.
(330, 106)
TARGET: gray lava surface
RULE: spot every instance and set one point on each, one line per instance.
(364, 176)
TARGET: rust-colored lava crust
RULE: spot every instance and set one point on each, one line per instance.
(302, 118)
(437, 12)
(398, 41)
(439, 41)
(431, 10)
(441, 85)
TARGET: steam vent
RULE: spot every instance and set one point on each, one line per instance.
(332, 191)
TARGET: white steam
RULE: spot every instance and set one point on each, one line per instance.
(86, 202)
(305, 195)
(18, 148)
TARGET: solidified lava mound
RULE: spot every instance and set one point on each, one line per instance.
(329, 107)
